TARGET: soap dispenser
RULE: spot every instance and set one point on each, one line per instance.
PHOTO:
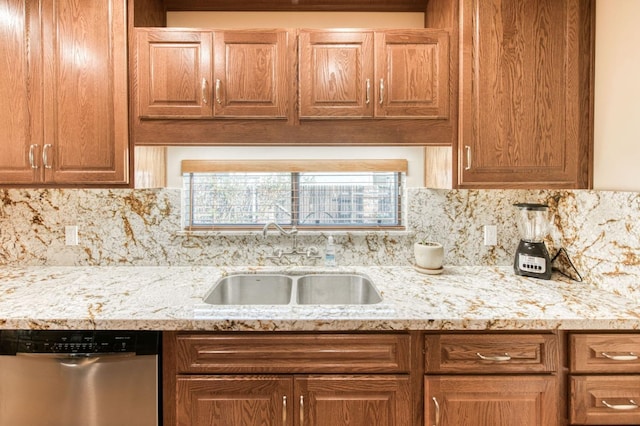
(330, 253)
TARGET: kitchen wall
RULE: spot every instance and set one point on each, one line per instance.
(599, 229)
(617, 95)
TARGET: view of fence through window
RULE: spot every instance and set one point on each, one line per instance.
(363, 199)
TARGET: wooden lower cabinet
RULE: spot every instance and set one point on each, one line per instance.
(292, 400)
(491, 400)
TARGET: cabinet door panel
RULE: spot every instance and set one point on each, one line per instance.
(336, 74)
(20, 83)
(412, 74)
(233, 400)
(353, 400)
(525, 94)
(173, 73)
(491, 400)
(85, 91)
(251, 74)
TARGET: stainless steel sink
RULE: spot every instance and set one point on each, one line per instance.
(251, 289)
(333, 289)
(280, 289)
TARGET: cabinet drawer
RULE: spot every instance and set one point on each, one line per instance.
(293, 353)
(590, 396)
(605, 353)
(489, 353)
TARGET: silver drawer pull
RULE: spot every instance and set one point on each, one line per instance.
(622, 407)
(630, 357)
(499, 358)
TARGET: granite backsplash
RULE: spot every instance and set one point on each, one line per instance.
(599, 229)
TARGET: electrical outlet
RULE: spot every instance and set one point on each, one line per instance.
(71, 235)
(490, 235)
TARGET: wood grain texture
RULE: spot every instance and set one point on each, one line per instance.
(492, 400)
(20, 115)
(588, 394)
(526, 92)
(354, 400)
(335, 73)
(412, 73)
(300, 5)
(85, 91)
(458, 353)
(150, 166)
(293, 353)
(588, 353)
(233, 400)
(174, 73)
(252, 68)
(438, 167)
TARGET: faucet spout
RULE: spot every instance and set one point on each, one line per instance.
(265, 230)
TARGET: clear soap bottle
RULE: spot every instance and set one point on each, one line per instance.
(330, 253)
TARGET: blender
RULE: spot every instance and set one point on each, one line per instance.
(532, 258)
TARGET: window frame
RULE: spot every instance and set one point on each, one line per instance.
(295, 167)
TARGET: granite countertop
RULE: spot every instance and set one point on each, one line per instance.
(170, 298)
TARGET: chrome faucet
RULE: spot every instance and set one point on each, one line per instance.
(293, 230)
(309, 253)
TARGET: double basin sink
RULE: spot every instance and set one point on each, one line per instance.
(286, 289)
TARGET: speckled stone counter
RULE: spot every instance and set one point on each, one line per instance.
(170, 298)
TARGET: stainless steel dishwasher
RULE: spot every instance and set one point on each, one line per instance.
(79, 378)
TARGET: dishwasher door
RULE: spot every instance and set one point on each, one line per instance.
(79, 390)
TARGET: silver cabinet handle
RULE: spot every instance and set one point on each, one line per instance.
(204, 91)
(32, 149)
(498, 358)
(45, 156)
(368, 91)
(284, 410)
(218, 84)
(630, 357)
(468, 151)
(301, 410)
(381, 91)
(437, 414)
(632, 405)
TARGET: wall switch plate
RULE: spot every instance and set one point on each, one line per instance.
(71, 235)
(490, 235)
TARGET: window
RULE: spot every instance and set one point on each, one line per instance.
(315, 195)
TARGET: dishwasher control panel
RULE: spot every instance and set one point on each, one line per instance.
(78, 341)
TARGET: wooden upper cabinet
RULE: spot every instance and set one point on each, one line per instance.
(66, 76)
(86, 133)
(20, 140)
(174, 73)
(364, 74)
(412, 73)
(205, 74)
(336, 74)
(526, 93)
(251, 74)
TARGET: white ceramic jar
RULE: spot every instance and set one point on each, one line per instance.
(428, 255)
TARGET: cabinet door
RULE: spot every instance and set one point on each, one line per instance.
(251, 74)
(85, 91)
(412, 73)
(605, 400)
(233, 400)
(20, 138)
(336, 74)
(353, 400)
(526, 92)
(173, 73)
(491, 400)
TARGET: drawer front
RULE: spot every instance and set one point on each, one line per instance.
(491, 353)
(605, 353)
(605, 400)
(293, 353)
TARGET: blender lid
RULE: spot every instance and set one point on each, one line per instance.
(532, 206)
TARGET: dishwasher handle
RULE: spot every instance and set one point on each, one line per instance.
(79, 359)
